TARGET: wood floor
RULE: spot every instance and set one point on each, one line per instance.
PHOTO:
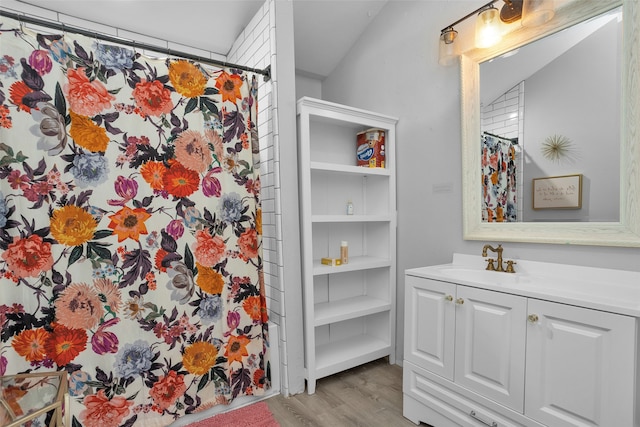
(368, 395)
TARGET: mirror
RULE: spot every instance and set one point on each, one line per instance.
(536, 112)
(623, 231)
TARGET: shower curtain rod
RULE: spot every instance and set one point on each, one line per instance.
(512, 140)
(266, 72)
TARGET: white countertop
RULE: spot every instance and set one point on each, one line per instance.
(615, 291)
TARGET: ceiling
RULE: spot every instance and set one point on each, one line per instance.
(324, 30)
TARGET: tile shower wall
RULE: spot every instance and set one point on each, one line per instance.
(504, 117)
(254, 48)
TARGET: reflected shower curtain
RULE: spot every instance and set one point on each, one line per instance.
(499, 197)
(130, 242)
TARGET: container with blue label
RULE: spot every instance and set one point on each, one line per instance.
(370, 148)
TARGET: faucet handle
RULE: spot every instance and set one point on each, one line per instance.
(510, 268)
(490, 265)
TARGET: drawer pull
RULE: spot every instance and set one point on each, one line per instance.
(448, 298)
(459, 301)
(533, 318)
(489, 423)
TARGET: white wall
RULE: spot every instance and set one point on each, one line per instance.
(556, 97)
(308, 86)
(393, 69)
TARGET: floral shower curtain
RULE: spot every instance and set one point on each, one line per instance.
(130, 242)
(499, 196)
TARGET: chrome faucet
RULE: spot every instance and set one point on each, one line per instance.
(497, 250)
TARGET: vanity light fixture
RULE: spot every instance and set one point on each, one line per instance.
(488, 24)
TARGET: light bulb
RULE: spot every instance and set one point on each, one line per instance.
(488, 30)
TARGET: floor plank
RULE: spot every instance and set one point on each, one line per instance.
(368, 395)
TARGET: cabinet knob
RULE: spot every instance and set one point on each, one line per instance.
(448, 298)
(533, 318)
(459, 301)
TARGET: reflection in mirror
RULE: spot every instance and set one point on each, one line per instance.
(552, 108)
(545, 132)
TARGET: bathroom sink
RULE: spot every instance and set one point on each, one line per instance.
(615, 291)
(468, 274)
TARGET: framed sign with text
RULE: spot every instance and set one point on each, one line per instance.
(558, 192)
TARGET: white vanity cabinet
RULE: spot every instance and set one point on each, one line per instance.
(478, 355)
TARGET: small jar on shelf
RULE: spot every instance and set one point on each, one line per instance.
(344, 252)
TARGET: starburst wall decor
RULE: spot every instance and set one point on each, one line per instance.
(559, 148)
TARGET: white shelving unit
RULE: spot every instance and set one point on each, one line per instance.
(349, 310)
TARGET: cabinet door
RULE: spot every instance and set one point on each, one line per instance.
(429, 324)
(490, 344)
(579, 366)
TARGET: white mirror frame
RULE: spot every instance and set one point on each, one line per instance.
(626, 232)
